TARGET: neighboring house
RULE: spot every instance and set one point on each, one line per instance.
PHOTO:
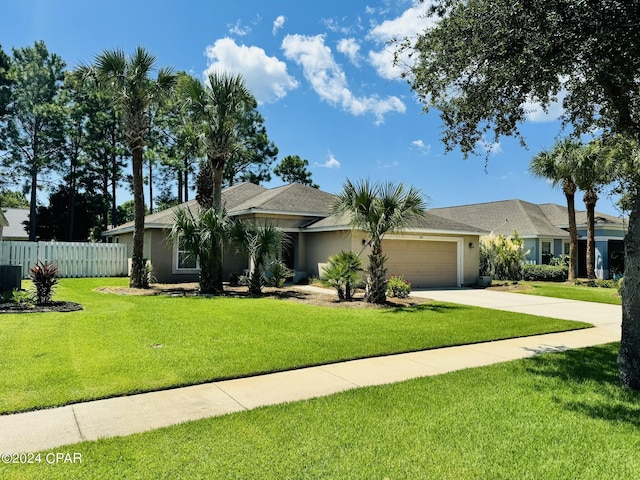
(432, 252)
(545, 230)
(16, 230)
(3, 223)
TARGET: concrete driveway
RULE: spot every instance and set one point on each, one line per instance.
(599, 314)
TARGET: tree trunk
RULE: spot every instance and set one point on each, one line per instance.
(218, 174)
(629, 356)
(33, 223)
(569, 189)
(150, 186)
(590, 199)
(180, 200)
(204, 185)
(138, 277)
(376, 288)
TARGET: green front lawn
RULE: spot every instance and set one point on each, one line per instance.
(556, 416)
(572, 292)
(125, 344)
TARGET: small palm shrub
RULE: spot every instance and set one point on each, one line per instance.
(398, 287)
(279, 273)
(44, 277)
(343, 273)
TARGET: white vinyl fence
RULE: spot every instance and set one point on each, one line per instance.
(73, 259)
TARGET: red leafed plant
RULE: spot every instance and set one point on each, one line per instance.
(44, 277)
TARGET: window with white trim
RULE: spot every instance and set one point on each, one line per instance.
(185, 260)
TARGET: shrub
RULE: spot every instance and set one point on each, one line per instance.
(605, 283)
(619, 284)
(44, 278)
(545, 273)
(502, 257)
(398, 287)
(279, 273)
(234, 279)
(342, 273)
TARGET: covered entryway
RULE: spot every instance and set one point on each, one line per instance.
(424, 263)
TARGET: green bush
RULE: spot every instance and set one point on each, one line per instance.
(502, 257)
(545, 273)
(619, 284)
(279, 273)
(398, 287)
(343, 273)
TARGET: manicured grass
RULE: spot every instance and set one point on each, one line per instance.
(125, 344)
(555, 416)
(572, 292)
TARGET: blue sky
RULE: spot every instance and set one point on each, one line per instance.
(323, 75)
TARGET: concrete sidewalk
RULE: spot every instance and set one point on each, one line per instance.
(56, 427)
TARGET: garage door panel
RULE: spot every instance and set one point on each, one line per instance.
(423, 263)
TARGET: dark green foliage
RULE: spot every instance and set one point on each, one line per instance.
(343, 273)
(293, 169)
(44, 277)
(545, 273)
(279, 273)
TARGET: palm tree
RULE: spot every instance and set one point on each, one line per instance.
(218, 107)
(378, 209)
(558, 166)
(593, 172)
(261, 243)
(135, 94)
(202, 236)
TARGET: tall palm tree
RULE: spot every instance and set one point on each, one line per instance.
(135, 94)
(378, 209)
(592, 173)
(218, 106)
(558, 165)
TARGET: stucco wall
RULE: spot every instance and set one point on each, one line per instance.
(319, 246)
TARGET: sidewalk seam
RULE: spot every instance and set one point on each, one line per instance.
(75, 419)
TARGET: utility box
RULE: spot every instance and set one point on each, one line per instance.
(10, 277)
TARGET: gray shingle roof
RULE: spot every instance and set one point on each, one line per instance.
(504, 217)
(292, 198)
(231, 196)
(3, 220)
(427, 223)
(528, 219)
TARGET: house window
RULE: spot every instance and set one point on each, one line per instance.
(186, 260)
(566, 247)
(546, 253)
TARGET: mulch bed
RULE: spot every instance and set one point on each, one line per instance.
(288, 293)
(48, 307)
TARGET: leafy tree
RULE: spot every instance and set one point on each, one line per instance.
(378, 209)
(292, 169)
(485, 59)
(35, 137)
(5, 84)
(592, 174)
(203, 236)
(261, 243)
(135, 94)
(11, 199)
(54, 220)
(252, 161)
(559, 165)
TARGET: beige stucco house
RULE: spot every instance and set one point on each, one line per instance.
(432, 252)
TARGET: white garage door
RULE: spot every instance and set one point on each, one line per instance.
(423, 263)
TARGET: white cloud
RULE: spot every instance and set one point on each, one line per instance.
(490, 147)
(350, 48)
(278, 23)
(410, 23)
(330, 163)
(266, 77)
(329, 80)
(535, 113)
(423, 147)
(239, 29)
